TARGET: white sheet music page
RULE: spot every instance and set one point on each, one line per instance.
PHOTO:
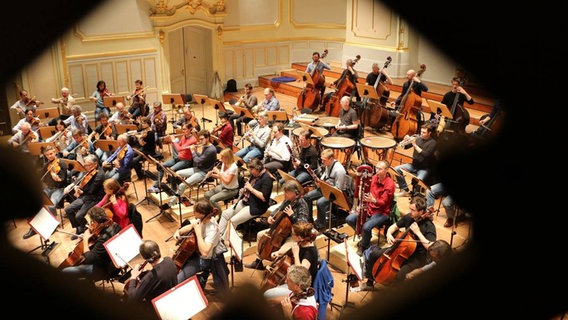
(44, 223)
(354, 261)
(173, 304)
(235, 241)
(124, 246)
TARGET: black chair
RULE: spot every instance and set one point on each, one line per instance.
(135, 218)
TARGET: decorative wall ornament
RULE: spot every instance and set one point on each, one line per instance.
(210, 6)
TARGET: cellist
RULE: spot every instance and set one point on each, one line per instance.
(295, 207)
(419, 223)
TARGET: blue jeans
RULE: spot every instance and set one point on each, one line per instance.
(372, 222)
(249, 152)
(81, 271)
(322, 204)
(194, 265)
(175, 165)
(98, 111)
(194, 176)
(436, 190)
(408, 167)
(55, 195)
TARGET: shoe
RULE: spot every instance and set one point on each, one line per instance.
(368, 286)
(256, 264)
(154, 190)
(165, 206)
(360, 251)
(78, 231)
(186, 201)
(448, 223)
(402, 193)
(173, 202)
(29, 234)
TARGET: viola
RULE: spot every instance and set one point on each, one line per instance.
(279, 231)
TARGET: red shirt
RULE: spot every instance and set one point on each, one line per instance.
(383, 192)
(185, 154)
(226, 135)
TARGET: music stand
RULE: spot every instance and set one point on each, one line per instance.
(313, 130)
(74, 165)
(417, 182)
(107, 145)
(47, 113)
(280, 116)
(47, 131)
(36, 148)
(174, 174)
(158, 164)
(219, 107)
(201, 99)
(173, 303)
(236, 245)
(123, 246)
(353, 262)
(124, 128)
(113, 100)
(174, 98)
(146, 198)
(44, 224)
(368, 92)
(335, 196)
(243, 112)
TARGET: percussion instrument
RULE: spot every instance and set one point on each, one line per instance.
(342, 149)
(328, 123)
(316, 140)
(377, 148)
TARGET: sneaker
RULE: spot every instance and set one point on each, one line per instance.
(186, 201)
(402, 193)
(29, 234)
(154, 190)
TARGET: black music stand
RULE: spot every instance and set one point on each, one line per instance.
(219, 107)
(236, 246)
(161, 206)
(201, 99)
(179, 196)
(44, 224)
(146, 198)
(174, 98)
(337, 197)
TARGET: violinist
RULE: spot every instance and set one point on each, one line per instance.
(121, 115)
(22, 138)
(54, 178)
(88, 191)
(29, 117)
(64, 104)
(105, 130)
(78, 120)
(79, 148)
(300, 304)
(120, 161)
(147, 145)
(145, 285)
(248, 100)
(137, 100)
(304, 253)
(24, 103)
(208, 255)
(419, 223)
(115, 202)
(159, 119)
(295, 207)
(187, 117)
(62, 137)
(98, 98)
(97, 262)
(378, 204)
(224, 132)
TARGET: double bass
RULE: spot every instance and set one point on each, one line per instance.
(279, 231)
(406, 122)
(460, 115)
(344, 88)
(378, 115)
(310, 97)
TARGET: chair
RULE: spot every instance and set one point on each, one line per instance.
(135, 218)
(108, 277)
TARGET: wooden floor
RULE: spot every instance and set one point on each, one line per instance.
(162, 226)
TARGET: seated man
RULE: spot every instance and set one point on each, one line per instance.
(348, 125)
(277, 154)
(308, 156)
(258, 138)
(120, 161)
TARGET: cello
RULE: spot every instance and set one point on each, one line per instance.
(389, 263)
(275, 237)
(310, 97)
(186, 248)
(277, 270)
(406, 123)
(344, 88)
(76, 256)
(379, 115)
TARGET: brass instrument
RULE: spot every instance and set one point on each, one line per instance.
(407, 140)
(362, 187)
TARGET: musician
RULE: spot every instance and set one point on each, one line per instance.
(88, 191)
(182, 156)
(349, 73)
(121, 115)
(459, 93)
(253, 200)
(295, 207)
(62, 137)
(300, 304)
(334, 174)
(348, 124)
(378, 203)
(97, 262)
(424, 231)
(305, 254)
(436, 191)
(187, 117)
(54, 178)
(209, 247)
(98, 98)
(203, 162)
(24, 103)
(22, 138)
(31, 119)
(146, 285)
(115, 201)
(228, 186)
(159, 119)
(64, 104)
(319, 65)
(258, 137)
(417, 87)
(277, 154)
(147, 145)
(137, 100)
(79, 148)
(120, 161)
(269, 103)
(78, 120)
(437, 252)
(375, 73)
(308, 155)
(248, 100)
(224, 132)
(486, 129)
(423, 158)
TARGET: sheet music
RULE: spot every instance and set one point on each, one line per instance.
(354, 261)
(235, 241)
(124, 246)
(44, 223)
(173, 304)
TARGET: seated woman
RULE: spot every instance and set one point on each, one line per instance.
(228, 176)
(116, 202)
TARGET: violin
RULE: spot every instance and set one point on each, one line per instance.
(140, 276)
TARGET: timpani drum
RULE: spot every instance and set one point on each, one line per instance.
(316, 137)
(328, 123)
(377, 148)
(342, 149)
